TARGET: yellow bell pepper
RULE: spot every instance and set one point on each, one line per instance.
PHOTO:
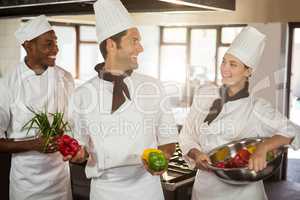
(221, 154)
(251, 148)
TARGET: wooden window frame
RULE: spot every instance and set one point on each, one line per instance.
(77, 44)
(188, 44)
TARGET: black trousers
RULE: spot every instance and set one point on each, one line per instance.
(4, 174)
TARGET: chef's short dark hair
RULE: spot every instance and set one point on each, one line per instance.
(247, 67)
(116, 38)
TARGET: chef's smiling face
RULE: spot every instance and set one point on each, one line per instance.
(130, 48)
(43, 49)
(233, 71)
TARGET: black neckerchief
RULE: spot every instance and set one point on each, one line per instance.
(217, 105)
(119, 88)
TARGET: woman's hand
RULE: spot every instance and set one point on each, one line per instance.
(257, 161)
(201, 159)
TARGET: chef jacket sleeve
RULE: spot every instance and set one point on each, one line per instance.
(4, 108)
(166, 129)
(69, 86)
(76, 117)
(296, 141)
(270, 121)
(188, 137)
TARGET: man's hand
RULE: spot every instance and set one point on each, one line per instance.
(145, 163)
(80, 157)
(39, 144)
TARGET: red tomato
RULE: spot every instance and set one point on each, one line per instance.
(238, 161)
(244, 154)
(220, 165)
(230, 164)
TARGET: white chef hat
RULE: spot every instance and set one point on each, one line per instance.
(33, 29)
(111, 18)
(248, 46)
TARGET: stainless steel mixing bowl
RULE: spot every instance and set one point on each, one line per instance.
(241, 176)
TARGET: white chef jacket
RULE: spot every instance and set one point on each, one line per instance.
(242, 118)
(34, 175)
(116, 141)
(296, 141)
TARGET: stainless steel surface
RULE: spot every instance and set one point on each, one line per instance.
(241, 176)
(173, 186)
(22, 8)
(178, 174)
(40, 3)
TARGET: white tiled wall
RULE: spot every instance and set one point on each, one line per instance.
(9, 48)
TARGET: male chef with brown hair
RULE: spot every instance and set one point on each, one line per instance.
(120, 113)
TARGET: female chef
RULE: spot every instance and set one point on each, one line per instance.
(223, 114)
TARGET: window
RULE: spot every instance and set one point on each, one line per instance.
(89, 53)
(194, 54)
(66, 41)
(174, 35)
(229, 33)
(173, 62)
(89, 56)
(294, 101)
(227, 36)
(202, 59)
(173, 54)
(78, 49)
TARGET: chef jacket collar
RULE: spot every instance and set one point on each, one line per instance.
(217, 105)
(99, 68)
(27, 72)
(119, 87)
(241, 94)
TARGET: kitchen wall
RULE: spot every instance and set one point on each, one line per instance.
(269, 16)
(268, 80)
(9, 49)
(247, 11)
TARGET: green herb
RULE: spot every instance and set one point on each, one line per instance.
(46, 128)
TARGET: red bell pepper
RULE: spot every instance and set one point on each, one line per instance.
(220, 165)
(244, 154)
(67, 145)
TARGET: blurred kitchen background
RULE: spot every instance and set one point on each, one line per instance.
(183, 47)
